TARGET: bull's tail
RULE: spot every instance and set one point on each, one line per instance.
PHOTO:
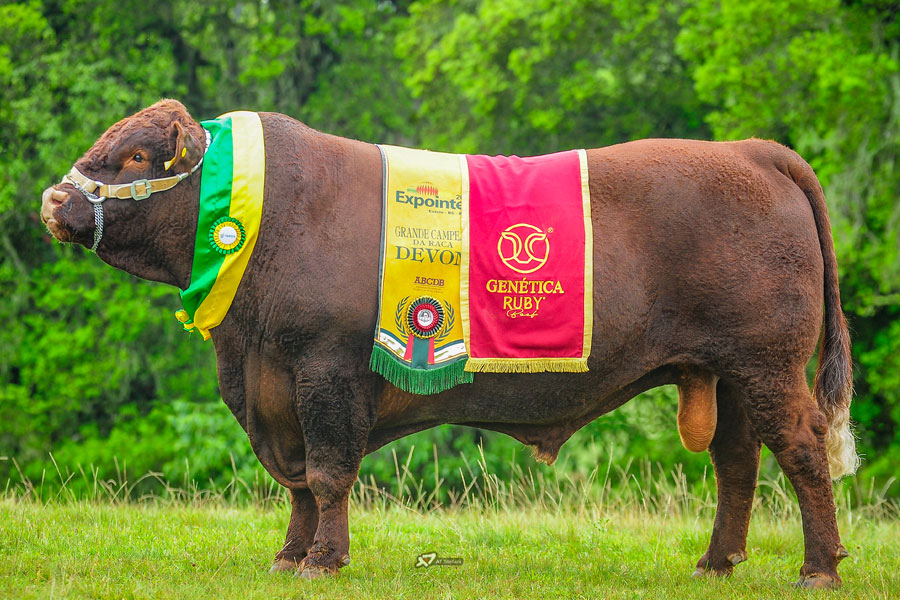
(834, 377)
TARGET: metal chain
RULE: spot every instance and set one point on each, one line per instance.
(98, 225)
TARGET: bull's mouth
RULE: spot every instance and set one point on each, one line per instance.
(53, 201)
(56, 228)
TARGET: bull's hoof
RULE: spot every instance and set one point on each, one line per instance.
(708, 568)
(704, 572)
(819, 581)
(282, 564)
(321, 561)
(314, 572)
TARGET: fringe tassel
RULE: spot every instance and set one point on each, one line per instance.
(418, 381)
(526, 365)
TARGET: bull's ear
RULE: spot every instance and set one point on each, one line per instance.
(188, 150)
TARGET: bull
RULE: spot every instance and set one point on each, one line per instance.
(713, 269)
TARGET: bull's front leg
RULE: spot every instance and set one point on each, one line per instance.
(335, 413)
(262, 395)
(301, 531)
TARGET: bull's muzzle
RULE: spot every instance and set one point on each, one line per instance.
(52, 199)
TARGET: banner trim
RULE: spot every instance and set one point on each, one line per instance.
(384, 208)
(526, 365)
(588, 257)
(464, 255)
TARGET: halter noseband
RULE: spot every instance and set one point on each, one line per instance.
(97, 192)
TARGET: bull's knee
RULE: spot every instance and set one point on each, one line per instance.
(819, 426)
(697, 412)
(800, 446)
(329, 485)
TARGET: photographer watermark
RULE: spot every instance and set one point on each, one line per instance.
(431, 559)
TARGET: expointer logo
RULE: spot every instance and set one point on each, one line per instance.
(426, 195)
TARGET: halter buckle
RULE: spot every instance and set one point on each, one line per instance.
(141, 195)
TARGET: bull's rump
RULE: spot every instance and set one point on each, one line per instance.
(701, 247)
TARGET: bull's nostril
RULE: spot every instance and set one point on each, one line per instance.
(57, 197)
(52, 197)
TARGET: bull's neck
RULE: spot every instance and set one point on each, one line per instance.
(155, 244)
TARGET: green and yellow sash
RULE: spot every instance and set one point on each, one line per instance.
(231, 199)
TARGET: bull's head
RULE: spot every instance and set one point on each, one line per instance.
(151, 236)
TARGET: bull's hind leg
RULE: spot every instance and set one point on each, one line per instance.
(735, 456)
(789, 421)
(301, 531)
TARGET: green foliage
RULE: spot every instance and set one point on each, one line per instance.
(534, 76)
(94, 368)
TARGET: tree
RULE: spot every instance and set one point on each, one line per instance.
(535, 76)
(94, 367)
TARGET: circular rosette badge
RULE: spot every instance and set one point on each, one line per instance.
(227, 235)
(425, 317)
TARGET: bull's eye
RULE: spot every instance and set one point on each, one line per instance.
(137, 157)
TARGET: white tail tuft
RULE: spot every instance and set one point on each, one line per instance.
(840, 443)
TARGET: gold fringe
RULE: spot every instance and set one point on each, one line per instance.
(527, 365)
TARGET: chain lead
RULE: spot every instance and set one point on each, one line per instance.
(98, 225)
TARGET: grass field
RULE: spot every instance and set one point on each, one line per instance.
(215, 549)
(626, 531)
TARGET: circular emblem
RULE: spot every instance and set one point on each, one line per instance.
(523, 248)
(227, 235)
(425, 317)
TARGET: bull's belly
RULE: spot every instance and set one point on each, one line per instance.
(538, 409)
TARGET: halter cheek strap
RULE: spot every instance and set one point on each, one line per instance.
(97, 192)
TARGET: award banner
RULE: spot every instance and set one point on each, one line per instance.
(418, 338)
(526, 277)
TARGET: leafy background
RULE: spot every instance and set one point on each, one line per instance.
(93, 367)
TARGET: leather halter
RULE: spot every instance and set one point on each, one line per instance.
(97, 192)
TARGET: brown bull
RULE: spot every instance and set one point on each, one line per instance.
(712, 265)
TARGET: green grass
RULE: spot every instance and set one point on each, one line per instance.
(625, 531)
(78, 549)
